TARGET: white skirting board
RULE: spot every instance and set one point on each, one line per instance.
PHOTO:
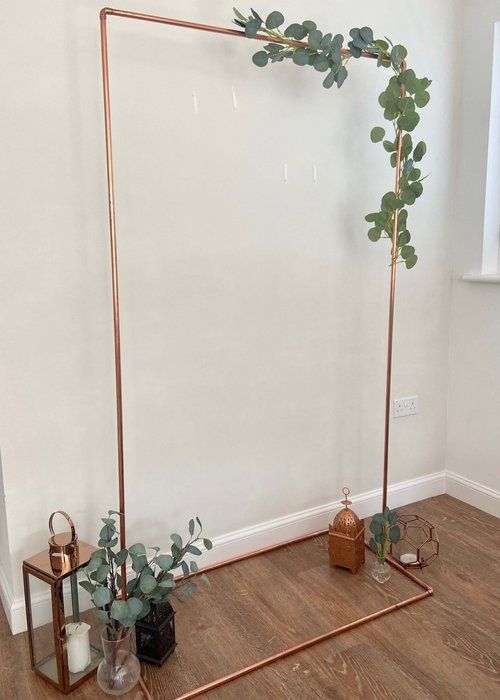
(290, 526)
(293, 525)
(474, 494)
(256, 537)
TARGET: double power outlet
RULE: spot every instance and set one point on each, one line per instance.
(405, 407)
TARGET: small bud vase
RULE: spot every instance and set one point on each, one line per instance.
(120, 669)
(381, 571)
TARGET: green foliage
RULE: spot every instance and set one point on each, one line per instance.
(403, 96)
(385, 530)
(154, 575)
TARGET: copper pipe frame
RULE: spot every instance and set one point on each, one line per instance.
(117, 351)
(212, 685)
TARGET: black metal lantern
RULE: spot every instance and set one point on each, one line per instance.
(155, 634)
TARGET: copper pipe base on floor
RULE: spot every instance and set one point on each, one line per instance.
(223, 680)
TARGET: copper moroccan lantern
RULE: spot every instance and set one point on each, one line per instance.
(65, 650)
(346, 538)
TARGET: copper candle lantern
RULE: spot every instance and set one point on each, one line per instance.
(65, 650)
(418, 545)
(346, 538)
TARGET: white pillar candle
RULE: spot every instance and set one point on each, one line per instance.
(408, 558)
(78, 646)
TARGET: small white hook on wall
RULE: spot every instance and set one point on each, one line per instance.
(235, 100)
(314, 174)
(285, 173)
(195, 103)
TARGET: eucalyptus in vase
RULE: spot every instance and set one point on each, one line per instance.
(156, 577)
(385, 531)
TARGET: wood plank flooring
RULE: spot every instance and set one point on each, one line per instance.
(445, 647)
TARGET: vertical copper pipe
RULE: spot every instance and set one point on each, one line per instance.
(114, 275)
(390, 330)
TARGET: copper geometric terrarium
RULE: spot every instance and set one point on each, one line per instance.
(419, 543)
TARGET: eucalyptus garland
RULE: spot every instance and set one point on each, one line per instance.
(404, 95)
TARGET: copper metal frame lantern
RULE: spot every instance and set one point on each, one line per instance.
(346, 538)
(58, 567)
(418, 545)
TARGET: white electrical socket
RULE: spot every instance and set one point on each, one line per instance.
(405, 407)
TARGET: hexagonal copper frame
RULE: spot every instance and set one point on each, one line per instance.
(425, 547)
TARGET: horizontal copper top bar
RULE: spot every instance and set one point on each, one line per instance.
(205, 27)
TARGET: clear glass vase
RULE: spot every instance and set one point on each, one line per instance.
(381, 571)
(120, 669)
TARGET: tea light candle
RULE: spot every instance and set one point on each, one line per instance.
(408, 558)
(78, 646)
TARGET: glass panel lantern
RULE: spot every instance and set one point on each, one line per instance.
(65, 644)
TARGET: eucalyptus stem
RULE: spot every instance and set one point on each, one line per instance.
(306, 45)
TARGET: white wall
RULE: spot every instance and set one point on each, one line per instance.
(474, 390)
(254, 313)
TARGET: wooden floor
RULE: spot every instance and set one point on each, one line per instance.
(446, 646)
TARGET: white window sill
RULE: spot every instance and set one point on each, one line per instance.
(479, 277)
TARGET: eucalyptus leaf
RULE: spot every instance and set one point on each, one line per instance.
(102, 573)
(260, 59)
(274, 20)
(407, 251)
(341, 76)
(398, 54)
(376, 526)
(101, 596)
(314, 39)
(87, 586)
(329, 81)
(309, 26)
(135, 607)
(103, 615)
(146, 607)
(176, 539)
(252, 28)
(408, 121)
(394, 534)
(321, 63)
(296, 31)
(404, 238)
(192, 549)
(377, 134)
(139, 563)
(121, 557)
(119, 610)
(420, 151)
(137, 549)
(366, 34)
(147, 583)
(164, 561)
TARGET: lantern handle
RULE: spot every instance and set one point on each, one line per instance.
(70, 523)
(346, 502)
